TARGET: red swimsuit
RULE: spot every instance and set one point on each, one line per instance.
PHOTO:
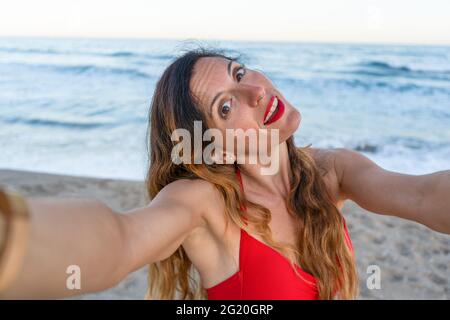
(265, 274)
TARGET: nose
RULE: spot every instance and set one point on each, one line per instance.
(254, 94)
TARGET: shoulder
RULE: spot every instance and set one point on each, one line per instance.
(350, 161)
(338, 159)
(324, 158)
(188, 188)
(197, 196)
(327, 161)
(349, 170)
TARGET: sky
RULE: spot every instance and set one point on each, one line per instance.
(363, 21)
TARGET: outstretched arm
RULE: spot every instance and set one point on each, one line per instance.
(421, 198)
(106, 245)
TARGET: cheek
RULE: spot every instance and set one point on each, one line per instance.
(245, 120)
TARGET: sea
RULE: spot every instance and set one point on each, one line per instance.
(80, 106)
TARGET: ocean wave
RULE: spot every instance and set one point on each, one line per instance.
(393, 87)
(128, 54)
(370, 84)
(86, 69)
(384, 66)
(400, 154)
(82, 69)
(121, 54)
(31, 51)
(114, 54)
(412, 161)
(384, 69)
(375, 146)
(56, 123)
(366, 147)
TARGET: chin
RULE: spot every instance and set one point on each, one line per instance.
(292, 122)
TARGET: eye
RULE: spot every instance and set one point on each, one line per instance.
(240, 73)
(225, 109)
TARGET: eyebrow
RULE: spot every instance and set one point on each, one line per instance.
(221, 92)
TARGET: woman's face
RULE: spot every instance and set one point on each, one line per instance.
(233, 97)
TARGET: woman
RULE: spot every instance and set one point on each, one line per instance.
(247, 235)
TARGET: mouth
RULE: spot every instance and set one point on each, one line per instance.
(274, 110)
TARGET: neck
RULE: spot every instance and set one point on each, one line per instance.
(277, 184)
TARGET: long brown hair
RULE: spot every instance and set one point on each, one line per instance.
(322, 249)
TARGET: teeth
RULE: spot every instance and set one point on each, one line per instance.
(272, 109)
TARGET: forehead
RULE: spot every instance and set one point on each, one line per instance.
(209, 77)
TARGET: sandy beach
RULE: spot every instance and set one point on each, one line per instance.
(414, 261)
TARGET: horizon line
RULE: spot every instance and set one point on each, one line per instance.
(137, 38)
